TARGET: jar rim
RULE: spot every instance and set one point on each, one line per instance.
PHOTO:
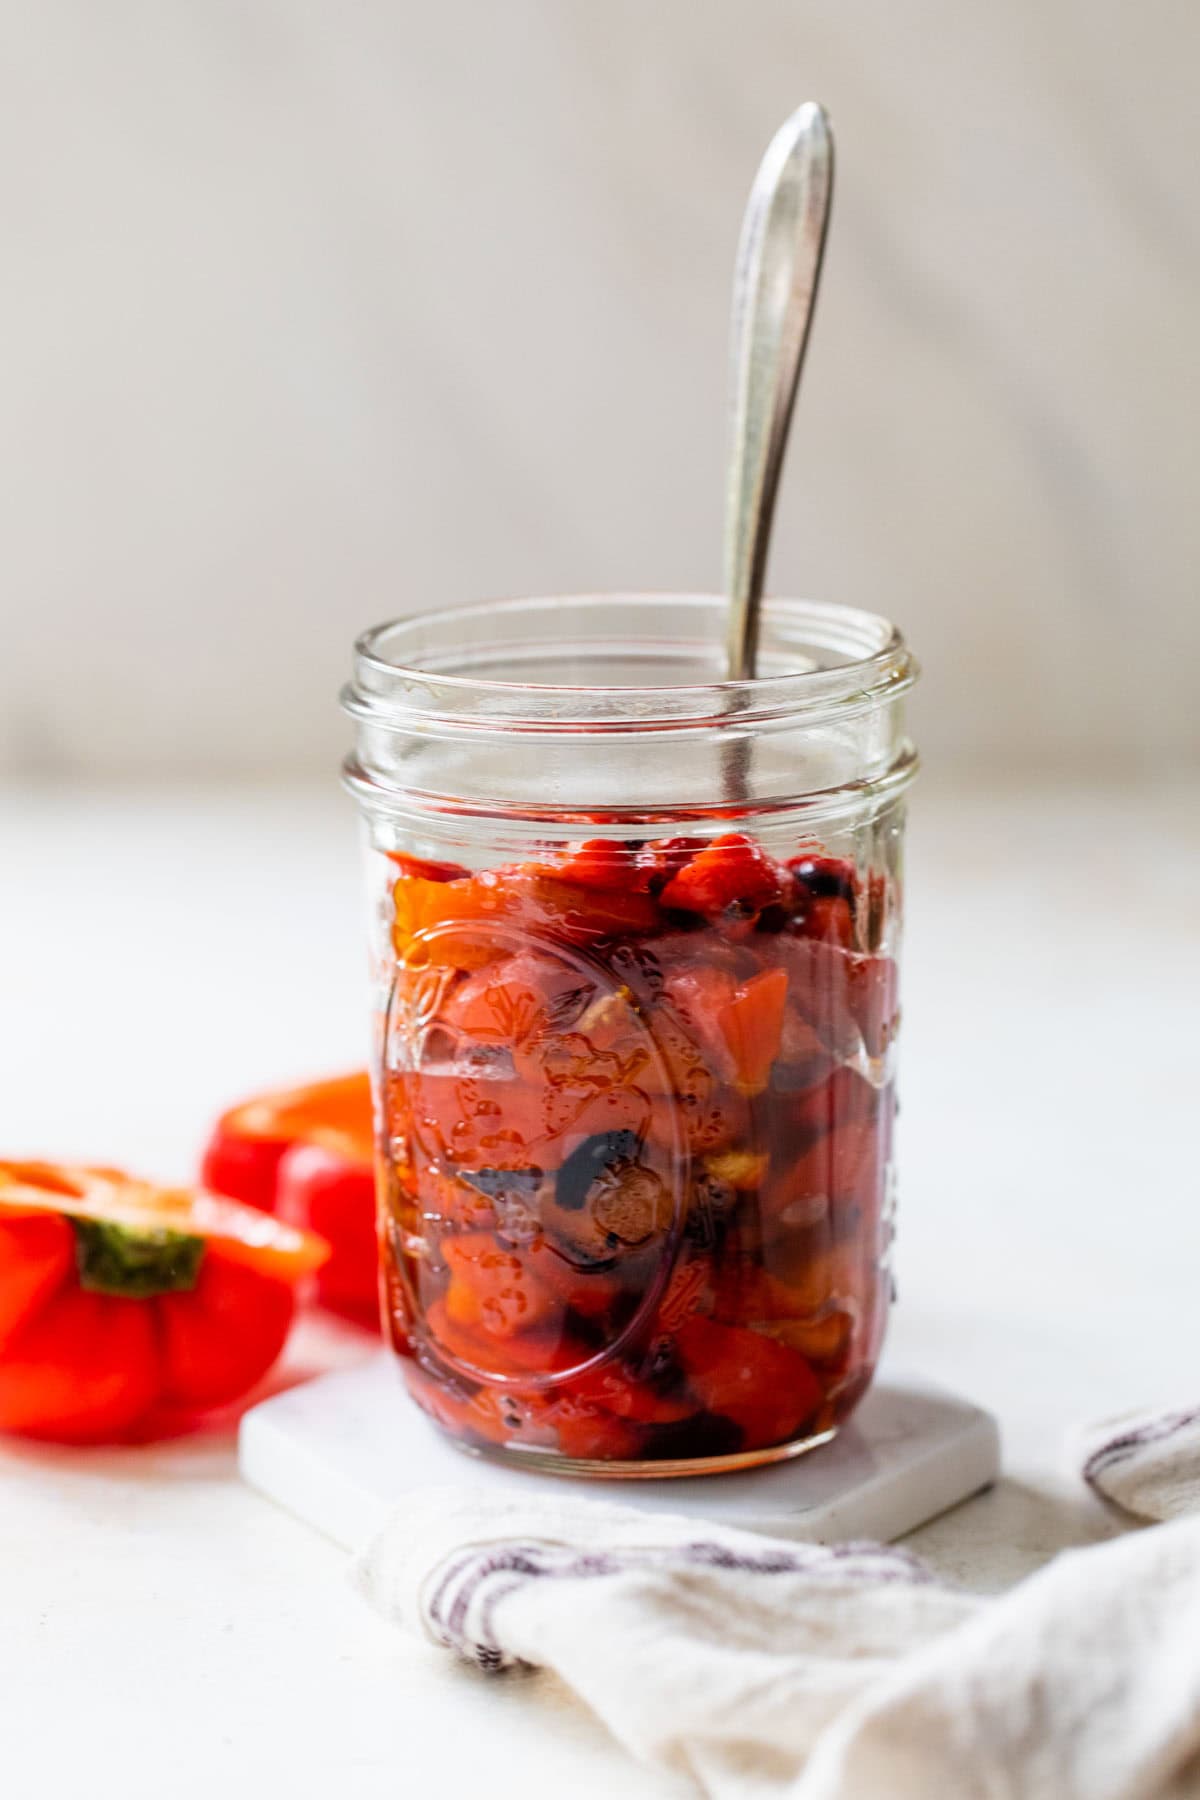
(848, 658)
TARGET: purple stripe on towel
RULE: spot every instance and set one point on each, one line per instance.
(1120, 1449)
(483, 1578)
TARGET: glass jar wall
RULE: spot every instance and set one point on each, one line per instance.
(635, 937)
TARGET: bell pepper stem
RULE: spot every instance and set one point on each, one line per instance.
(116, 1259)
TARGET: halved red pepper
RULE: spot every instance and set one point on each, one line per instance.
(321, 1189)
(126, 1308)
(590, 1292)
(307, 1153)
(248, 1143)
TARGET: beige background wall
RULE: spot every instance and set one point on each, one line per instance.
(313, 312)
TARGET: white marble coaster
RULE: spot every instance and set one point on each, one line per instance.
(342, 1451)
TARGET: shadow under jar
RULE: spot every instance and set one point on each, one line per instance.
(634, 961)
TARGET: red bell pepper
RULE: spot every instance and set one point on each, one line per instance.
(126, 1309)
(249, 1142)
(307, 1154)
(321, 1189)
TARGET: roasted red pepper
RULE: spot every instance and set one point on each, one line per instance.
(767, 1389)
(307, 1154)
(426, 870)
(126, 1309)
(638, 1109)
(601, 863)
(492, 1288)
(752, 1024)
(731, 871)
(831, 919)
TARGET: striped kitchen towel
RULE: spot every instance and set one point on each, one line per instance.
(1146, 1463)
(756, 1669)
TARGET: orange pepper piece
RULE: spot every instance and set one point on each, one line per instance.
(440, 908)
(767, 1389)
(752, 1025)
(493, 1289)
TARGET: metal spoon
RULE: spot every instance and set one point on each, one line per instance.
(774, 288)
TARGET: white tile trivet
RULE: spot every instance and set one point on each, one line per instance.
(342, 1451)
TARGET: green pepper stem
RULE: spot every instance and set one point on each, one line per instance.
(133, 1264)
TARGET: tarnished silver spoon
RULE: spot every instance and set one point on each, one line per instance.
(775, 286)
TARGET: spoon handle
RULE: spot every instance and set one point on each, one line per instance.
(775, 285)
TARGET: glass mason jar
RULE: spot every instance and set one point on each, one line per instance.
(634, 960)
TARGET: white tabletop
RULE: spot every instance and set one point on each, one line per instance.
(167, 1632)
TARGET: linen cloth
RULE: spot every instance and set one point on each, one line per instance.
(759, 1668)
(1146, 1463)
